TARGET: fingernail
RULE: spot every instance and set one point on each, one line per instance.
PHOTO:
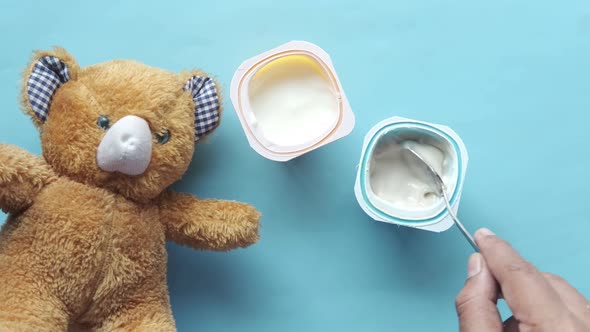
(474, 265)
(484, 232)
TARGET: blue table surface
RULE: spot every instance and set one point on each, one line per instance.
(511, 77)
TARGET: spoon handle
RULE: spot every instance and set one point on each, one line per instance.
(458, 223)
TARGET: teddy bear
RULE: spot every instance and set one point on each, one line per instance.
(83, 247)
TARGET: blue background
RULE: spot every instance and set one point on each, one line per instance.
(511, 77)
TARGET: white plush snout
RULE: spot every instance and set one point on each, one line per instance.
(126, 147)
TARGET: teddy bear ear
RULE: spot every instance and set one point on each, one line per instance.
(207, 104)
(46, 74)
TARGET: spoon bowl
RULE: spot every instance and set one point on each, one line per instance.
(440, 188)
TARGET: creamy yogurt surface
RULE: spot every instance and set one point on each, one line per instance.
(398, 180)
(293, 100)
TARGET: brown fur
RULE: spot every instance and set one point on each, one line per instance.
(83, 249)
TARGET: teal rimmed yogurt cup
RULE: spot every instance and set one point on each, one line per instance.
(433, 217)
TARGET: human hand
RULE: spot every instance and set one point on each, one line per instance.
(538, 301)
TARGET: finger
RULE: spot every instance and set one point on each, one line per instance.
(574, 301)
(527, 293)
(511, 325)
(476, 303)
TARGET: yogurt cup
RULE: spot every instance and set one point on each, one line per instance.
(380, 188)
(290, 101)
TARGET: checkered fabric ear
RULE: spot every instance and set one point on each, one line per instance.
(206, 104)
(49, 73)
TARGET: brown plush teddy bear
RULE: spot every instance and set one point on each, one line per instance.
(83, 247)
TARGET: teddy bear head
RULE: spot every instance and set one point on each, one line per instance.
(119, 125)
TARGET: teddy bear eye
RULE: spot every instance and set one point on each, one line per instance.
(163, 136)
(103, 122)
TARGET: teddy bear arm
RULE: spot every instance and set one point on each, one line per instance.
(22, 176)
(208, 224)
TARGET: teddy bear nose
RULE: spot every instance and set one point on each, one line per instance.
(126, 147)
(125, 137)
(129, 142)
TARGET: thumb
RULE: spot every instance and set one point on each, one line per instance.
(476, 303)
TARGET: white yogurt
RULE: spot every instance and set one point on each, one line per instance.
(293, 101)
(399, 180)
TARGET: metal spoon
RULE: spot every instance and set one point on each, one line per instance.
(442, 192)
